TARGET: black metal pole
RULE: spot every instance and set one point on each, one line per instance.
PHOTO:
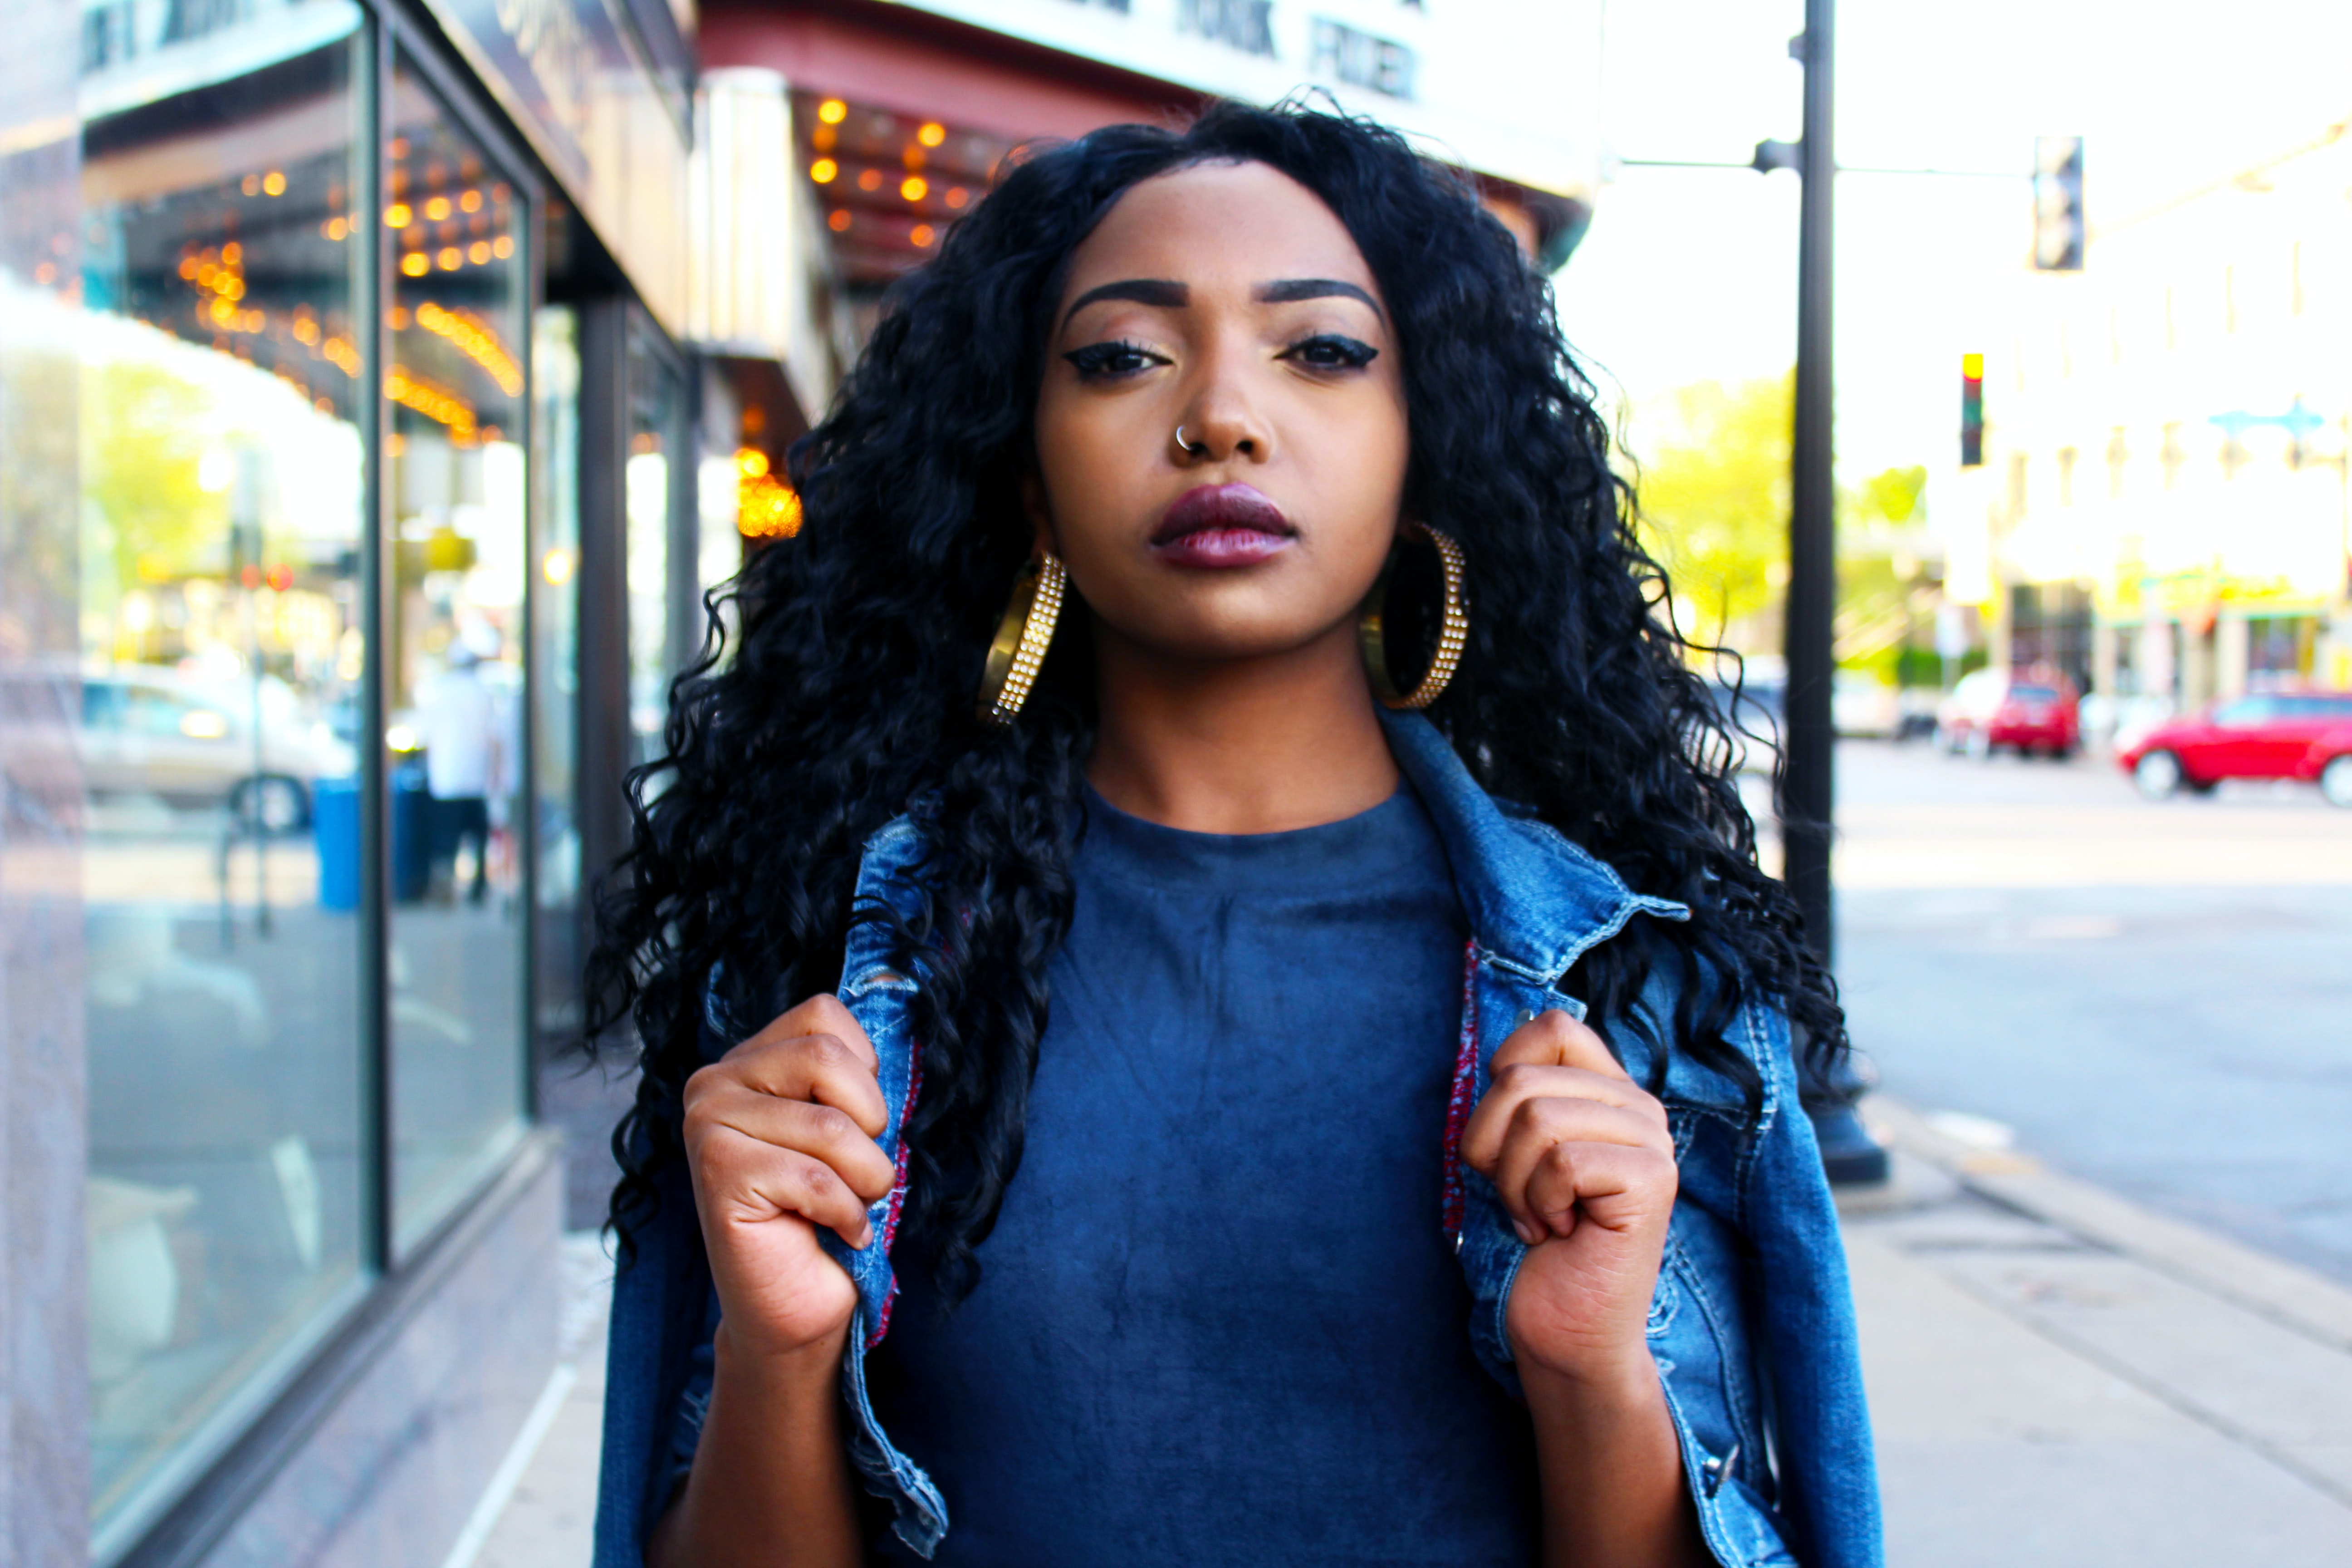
(1807, 785)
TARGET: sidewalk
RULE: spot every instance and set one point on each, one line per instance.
(2058, 1379)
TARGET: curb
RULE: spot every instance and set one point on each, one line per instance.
(2285, 1293)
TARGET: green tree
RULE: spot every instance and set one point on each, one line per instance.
(143, 432)
(1714, 505)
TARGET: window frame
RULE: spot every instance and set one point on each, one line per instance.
(394, 1284)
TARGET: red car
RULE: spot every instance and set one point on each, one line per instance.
(2304, 735)
(2029, 710)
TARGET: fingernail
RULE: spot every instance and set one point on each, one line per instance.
(1528, 1233)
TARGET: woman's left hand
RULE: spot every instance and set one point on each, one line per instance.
(1585, 1165)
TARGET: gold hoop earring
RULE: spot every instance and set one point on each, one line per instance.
(1018, 649)
(1453, 632)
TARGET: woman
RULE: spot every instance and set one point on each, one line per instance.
(1135, 1093)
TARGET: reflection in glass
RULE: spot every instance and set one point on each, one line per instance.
(222, 650)
(656, 440)
(555, 649)
(453, 665)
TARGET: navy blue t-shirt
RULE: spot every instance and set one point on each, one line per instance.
(1218, 1320)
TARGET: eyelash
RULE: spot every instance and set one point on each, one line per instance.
(1352, 354)
(1098, 362)
(1103, 362)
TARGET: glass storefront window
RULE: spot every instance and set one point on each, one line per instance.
(555, 650)
(222, 652)
(657, 615)
(455, 656)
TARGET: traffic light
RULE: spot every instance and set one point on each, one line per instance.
(1972, 411)
(2058, 203)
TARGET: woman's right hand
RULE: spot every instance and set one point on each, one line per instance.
(780, 1136)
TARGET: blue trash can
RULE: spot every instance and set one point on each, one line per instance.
(412, 835)
(335, 823)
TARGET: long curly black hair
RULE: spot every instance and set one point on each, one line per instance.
(847, 696)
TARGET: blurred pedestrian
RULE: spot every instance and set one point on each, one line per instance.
(1171, 1112)
(457, 718)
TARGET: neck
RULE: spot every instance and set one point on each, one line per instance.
(1260, 745)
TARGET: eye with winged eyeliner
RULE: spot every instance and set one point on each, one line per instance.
(1331, 350)
(1108, 360)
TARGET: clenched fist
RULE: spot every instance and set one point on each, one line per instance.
(1585, 1165)
(780, 1136)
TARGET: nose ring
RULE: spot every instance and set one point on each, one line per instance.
(1187, 448)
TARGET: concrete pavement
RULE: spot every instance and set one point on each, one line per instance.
(2058, 1376)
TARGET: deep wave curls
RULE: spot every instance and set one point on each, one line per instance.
(849, 697)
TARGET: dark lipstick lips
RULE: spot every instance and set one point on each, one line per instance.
(1221, 525)
(1236, 508)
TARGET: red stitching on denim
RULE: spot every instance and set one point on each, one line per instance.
(1457, 1104)
(898, 1198)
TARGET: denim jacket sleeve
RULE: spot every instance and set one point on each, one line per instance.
(1750, 1323)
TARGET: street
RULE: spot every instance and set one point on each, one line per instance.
(2154, 996)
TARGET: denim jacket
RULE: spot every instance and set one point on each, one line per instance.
(1751, 1325)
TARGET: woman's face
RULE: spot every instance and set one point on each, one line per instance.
(1229, 301)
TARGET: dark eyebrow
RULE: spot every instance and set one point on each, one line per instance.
(1142, 291)
(1290, 290)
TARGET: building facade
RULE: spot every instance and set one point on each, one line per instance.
(351, 523)
(2165, 491)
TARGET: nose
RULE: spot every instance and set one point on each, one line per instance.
(1218, 427)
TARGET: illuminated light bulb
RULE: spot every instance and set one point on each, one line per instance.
(189, 267)
(824, 171)
(914, 187)
(452, 258)
(958, 195)
(753, 461)
(273, 184)
(931, 134)
(871, 180)
(833, 112)
(232, 253)
(250, 184)
(470, 202)
(502, 246)
(478, 252)
(838, 220)
(922, 237)
(438, 208)
(415, 264)
(398, 215)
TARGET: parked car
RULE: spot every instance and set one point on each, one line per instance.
(154, 729)
(2304, 735)
(2021, 711)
